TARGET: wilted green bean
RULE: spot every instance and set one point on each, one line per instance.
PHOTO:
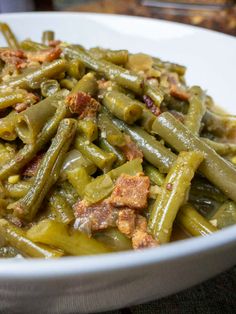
(48, 171)
(17, 190)
(107, 147)
(154, 174)
(119, 57)
(221, 148)
(49, 87)
(225, 215)
(113, 238)
(9, 36)
(30, 45)
(88, 127)
(76, 69)
(47, 36)
(17, 238)
(79, 178)
(8, 99)
(155, 94)
(214, 167)
(174, 189)
(88, 84)
(7, 126)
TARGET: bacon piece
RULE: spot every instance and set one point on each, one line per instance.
(151, 106)
(141, 238)
(126, 221)
(54, 43)
(94, 217)
(17, 58)
(82, 104)
(178, 93)
(130, 149)
(131, 191)
(46, 55)
(30, 99)
(32, 168)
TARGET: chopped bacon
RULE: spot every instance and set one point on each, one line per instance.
(46, 55)
(95, 216)
(141, 238)
(82, 104)
(130, 149)
(13, 57)
(131, 191)
(126, 221)
(54, 43)
(32, 168)
(178, 93)
(151, 106)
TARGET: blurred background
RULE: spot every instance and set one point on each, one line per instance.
(218, 15)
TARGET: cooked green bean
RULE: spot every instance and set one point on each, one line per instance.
(8, 126)
(68, 83)
(47, 37)
(18, 189)
(154, 174)
(221, 148)
(9, 36)
(196, 110)
(8, 99)
(194, 223)
(76, 69)
(35, 77)
(30, 45)
(114, 239)
(154, 152)
(17, 238)
(48, 171)
(174, 189)
(49, 87)
(225, 215)
(119, 57)
(214, 167)
(88, 84)
(155, 94)
(172, 67)
(79, 178)
(113, 72)
(30, 123)
(109, 131)
(25, 154)
(100, 158)
(88, 127)
(107, 147)
(72, 242)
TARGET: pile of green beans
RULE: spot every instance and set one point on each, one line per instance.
(73, 128)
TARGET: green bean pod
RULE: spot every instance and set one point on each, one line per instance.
(30, 45)
(17, 238)
(214, 167)
(72, 242)
(154, 174)
(113, 238)
(88, 127)
(8, 99)
(76, 69)
(118, 57)
(122, 106)
(8, 126)
(194, 223)
(49, 87)
(154, 152)
(17, 190)
(9, 36)
(87, 84)
(48, 171)
(221, 148)
(107, 147)
(79, 178)
(47, 36)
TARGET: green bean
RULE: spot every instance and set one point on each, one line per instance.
(7, 126)
(88, 84)
(101, 159)
(79, 178)
(109, 131)
(17, 238)
(122, 106)
(30, 45)
(88, 127)
(194, 223)
(61, 208)
(111, 71)
(25, 154)
(76, 69)
(221, 148)
(172, 67)
(226, 215)
(154, 152)
(154, 174)
(66, 190)
(8, 99)
(155, 94)
(119, 57)
(214, 167)
(196, 110)
(47, 37)
(17, 190)
(8, 252)
(74, 159)
(175, 104)
(30, 122)
(9, 36)
(107, 147)
(174, 189)
(7, 152)
(49, 87)
(147, 119)
(113, 238)
(68, 83)
(33, 78)
(48, 171)
(72, 242)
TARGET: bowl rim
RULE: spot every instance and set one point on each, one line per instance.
(19, 269)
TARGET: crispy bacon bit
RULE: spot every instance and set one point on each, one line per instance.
(46, 55)
(54, 43)
(32, 168)
(126, 221)
(140, 238)
(131, 191)
(178, 93)
(13, 57)
(94, 217)
(151, 106)
(130, 149)
(82, 104)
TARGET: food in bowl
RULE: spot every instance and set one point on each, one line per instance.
(103, 151)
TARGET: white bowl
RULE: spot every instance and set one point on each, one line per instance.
(98, 283)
